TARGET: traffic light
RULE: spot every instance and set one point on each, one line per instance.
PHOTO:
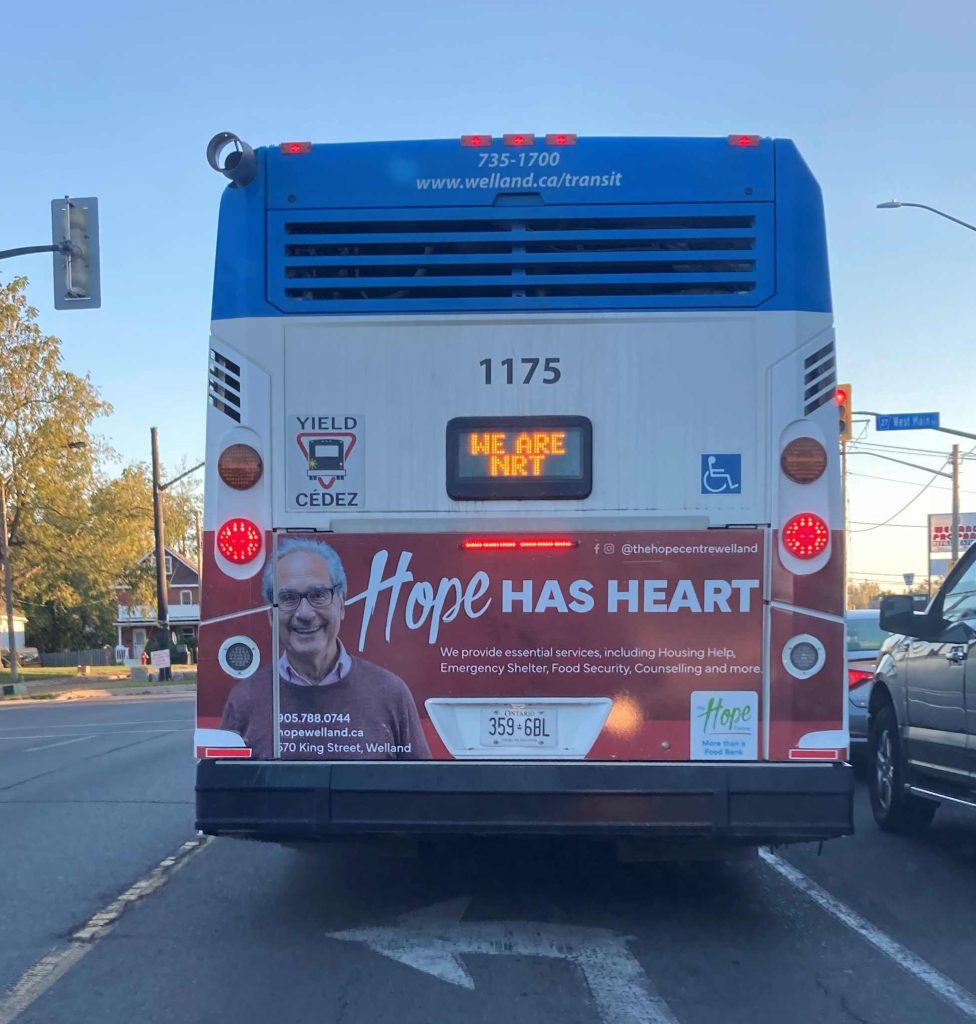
(843, 399)
(74, 230)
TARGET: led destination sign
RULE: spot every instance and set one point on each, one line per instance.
(493, 457)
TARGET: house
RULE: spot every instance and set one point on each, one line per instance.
(136, 623)
(20, 625)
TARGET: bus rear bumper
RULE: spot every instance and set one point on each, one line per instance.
(744, 803)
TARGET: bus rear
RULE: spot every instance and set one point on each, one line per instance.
(523, 497)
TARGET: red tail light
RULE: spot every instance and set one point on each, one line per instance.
(518, 544)
(239, 541)
(806, 535)
(856, 676)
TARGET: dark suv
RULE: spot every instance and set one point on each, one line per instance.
(922, 712)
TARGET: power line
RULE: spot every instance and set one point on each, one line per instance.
(907, 504)
(898, 526)
(892, 480)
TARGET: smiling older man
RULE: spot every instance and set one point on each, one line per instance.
(333, 706)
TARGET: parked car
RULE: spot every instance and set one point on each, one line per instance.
(865, 638)
(25, 656)
(922, 709)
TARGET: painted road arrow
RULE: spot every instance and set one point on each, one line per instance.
(432, 938)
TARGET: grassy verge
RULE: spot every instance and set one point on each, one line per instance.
(35, 673)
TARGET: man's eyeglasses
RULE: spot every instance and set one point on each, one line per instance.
(317, 597)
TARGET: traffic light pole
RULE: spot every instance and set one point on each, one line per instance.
(27, 250)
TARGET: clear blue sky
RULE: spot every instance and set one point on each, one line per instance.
(118, 100)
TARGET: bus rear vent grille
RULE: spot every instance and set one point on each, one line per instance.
(819, 379)
(225, 386)
(521, 258)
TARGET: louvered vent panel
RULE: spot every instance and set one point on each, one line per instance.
(819, 379)
(521, 258)
(225, 385)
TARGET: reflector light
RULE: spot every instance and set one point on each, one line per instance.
(518, 544)
(239, 541)
(240, 466)
(806, 535)
(803, 460)
(295, 148)
(519, 139)
(561, 139)
(804, 656)
(476, 141)
(856, 676)
(225, 752)
(743, 140)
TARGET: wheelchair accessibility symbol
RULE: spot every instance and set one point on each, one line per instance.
(721, 474)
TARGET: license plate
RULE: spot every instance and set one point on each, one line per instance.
(518, 727)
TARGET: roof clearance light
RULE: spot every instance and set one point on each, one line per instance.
(240, 466)
(561, 139)
(519, 139)
(803, 460)
(744, 141)
(239, 541)
(806, 535)
(476, 141)
(295, 148)
(519, 544)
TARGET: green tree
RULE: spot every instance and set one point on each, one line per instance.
(75, 531)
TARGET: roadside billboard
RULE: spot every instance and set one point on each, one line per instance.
(940, 531)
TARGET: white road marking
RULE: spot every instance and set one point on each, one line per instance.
(36, 980)
(104, 735)
(431, 939)
(60, 743)
(188, 722)
(944, 987)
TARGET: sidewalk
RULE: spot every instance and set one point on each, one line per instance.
(77, 687)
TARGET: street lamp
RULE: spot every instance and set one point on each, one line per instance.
(894, 204)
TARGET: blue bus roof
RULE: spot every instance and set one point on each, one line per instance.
(606, 223)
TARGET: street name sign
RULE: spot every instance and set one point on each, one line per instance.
(907, 421)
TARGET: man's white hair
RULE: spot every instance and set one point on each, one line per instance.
(324, 551)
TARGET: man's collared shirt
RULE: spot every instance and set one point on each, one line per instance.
(339, 670)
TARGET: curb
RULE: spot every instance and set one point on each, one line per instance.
(89, 693)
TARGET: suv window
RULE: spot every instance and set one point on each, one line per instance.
(960, 601)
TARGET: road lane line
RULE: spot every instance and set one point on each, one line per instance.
(188, 722)
(38, 978)
(50, 746)
(104, 735)
(942, 986)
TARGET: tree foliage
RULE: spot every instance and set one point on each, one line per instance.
(75, 530)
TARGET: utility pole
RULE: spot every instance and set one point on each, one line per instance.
(8, 585)
(162, 603)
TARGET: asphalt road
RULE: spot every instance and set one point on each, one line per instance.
(522, 931)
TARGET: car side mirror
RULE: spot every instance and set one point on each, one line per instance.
(898, 615)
